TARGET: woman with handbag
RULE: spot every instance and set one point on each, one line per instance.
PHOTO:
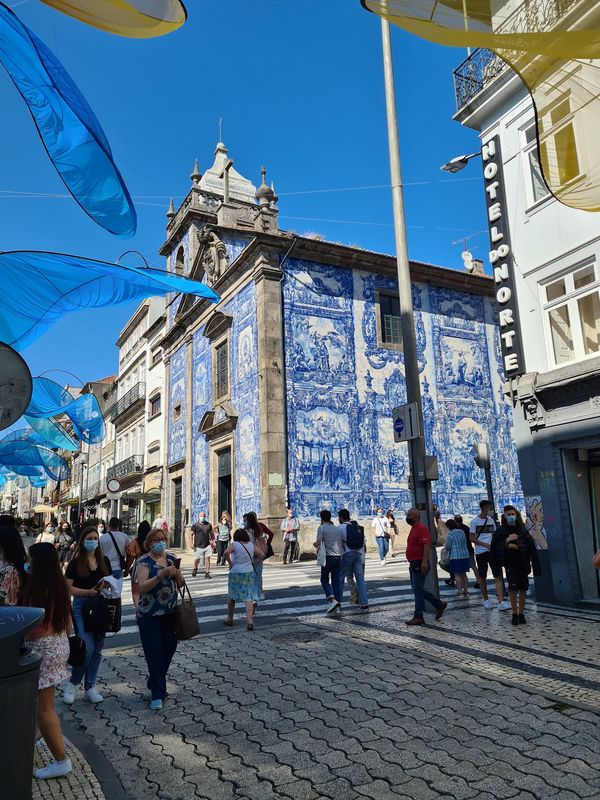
(259, 536)
(158, 578)
(46, 588)
(133, 551)
(241, 585)
(85, 575)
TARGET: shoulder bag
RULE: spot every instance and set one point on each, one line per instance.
(101, 615)
(186, 618)
(322, 554)
(122, 560)
(77, 648)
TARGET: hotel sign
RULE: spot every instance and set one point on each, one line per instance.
(501, 258)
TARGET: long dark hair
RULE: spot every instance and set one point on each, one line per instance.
(253, 525)
(46, 587)
(80, 557)
(143, 530)
(11, 544)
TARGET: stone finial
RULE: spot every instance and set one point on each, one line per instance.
(264, 194)
(196, 174)
(171, 211)
(275, 198)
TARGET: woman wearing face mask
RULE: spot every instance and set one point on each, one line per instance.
(515, 548)
(47, 535)
(381, 530)
(64, 540)
(12, 562)
(85, 574)
(158, 578)
(223, 538)
(101, 528)
(133, 551)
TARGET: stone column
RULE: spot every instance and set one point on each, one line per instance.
(271, 392)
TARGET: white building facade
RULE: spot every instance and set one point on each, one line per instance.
(546, 262)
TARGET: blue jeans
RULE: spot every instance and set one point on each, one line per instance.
(332, 570)
(352, 565)
(417, 581)
(94, 642)
(117, 573)
(258, 580)
(159, 643)
(384, 545)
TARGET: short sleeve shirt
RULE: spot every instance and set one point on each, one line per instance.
(418, 537)
(201, 531)
(482, 529)
(108, 547)
(162, 599)
(332, 538)
(90, 580)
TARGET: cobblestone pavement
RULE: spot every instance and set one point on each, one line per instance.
(362, 707)
(79, 783)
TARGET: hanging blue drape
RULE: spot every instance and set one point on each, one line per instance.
(25, 457)
(38, 288)
(49, 399)
(68, 127)
(52, 433)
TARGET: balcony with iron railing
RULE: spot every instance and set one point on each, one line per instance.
(531, 16)
(92, 490)
(124, 469)
(135, 395)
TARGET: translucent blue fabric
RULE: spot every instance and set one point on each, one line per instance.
(21, 481)
(68, 127)
(52, 433)
(38, 288)
(49, 399)
(24, 457)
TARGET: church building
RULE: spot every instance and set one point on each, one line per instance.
(283, 392)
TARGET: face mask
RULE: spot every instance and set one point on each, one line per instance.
(27, 566)
(202, 520)
(380, 513)
(100, 528)
(90, 545)
(511, 519)
(409, 520)
(158, 547)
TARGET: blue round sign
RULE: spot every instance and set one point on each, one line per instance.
(399, 425)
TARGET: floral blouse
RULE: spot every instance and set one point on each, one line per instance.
(10, 585)
(162, 599)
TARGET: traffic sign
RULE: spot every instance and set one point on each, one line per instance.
(113, 485)
(406, 422)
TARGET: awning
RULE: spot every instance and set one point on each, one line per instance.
(148, 497)
(42, 508)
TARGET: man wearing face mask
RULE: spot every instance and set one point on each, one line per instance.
(418, 548)
(514, 547)
(201, 538)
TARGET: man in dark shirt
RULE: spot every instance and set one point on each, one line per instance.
(201, 538)
(418, 548)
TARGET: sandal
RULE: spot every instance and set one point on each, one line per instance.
(228, 622)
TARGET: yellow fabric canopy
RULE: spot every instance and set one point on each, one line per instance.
(138, 19)
(555, 49)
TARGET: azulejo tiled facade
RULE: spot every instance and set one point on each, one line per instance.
(302, 411)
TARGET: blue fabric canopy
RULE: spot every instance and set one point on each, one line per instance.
(49, 399)
(38, 288)
(67, 126)
(52, 433)
(25, 457)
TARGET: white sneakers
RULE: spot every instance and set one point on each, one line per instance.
(487, 604)
(54, 770)
(68, 695)
(333, 606)
(93, 695)
(504, 605)
(383, 562)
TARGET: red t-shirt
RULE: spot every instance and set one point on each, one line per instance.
(418, 537)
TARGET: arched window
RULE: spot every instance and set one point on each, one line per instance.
(180, 261)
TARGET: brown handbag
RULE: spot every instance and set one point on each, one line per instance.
(186, 619)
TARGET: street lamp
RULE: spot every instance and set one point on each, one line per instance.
(458, 163)
(421, 485)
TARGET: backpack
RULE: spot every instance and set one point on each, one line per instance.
(355, 536)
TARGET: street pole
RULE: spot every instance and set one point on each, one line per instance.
(421, 487)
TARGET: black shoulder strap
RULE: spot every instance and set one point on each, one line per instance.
(121, 556)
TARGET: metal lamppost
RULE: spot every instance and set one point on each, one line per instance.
(421, 487)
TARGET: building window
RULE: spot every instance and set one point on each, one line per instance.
(558, 145)
(156, 356)
(155, 406)
(390, 322)
(572, 310)
(177, 412)
(180, 261)
(221, 365)
(153, 455)
(536, 188)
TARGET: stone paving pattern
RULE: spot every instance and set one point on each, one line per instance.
(80, 783)
(361, 708)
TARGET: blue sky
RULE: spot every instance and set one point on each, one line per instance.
(299, 86)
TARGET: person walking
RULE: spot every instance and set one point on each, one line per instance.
(458, 552)
(64, 540)
(158, 578)
(46, 588)
(114, 544)
(259, 536)
(290, 528)
(201, 540)
(331, 536)
(223, 537)
(392, 532)
(352, 567)
(514, 547)
(418, 548)
(12, 561)
(160, 522)
(133, 551)
(482, 530)
(380, 527)
(85, 575)
(241, 585)
(48, 535)
(472, 563)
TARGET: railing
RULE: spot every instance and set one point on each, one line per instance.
(136, 393)
(91, 490)
(474, 74)
(129, 466)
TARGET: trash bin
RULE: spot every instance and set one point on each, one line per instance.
(19, 671)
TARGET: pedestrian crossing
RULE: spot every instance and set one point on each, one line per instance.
(291, 590)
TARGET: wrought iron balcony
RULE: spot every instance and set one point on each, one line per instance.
(474, 74)
(137, 394)
(91, 490)
(129, 466)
